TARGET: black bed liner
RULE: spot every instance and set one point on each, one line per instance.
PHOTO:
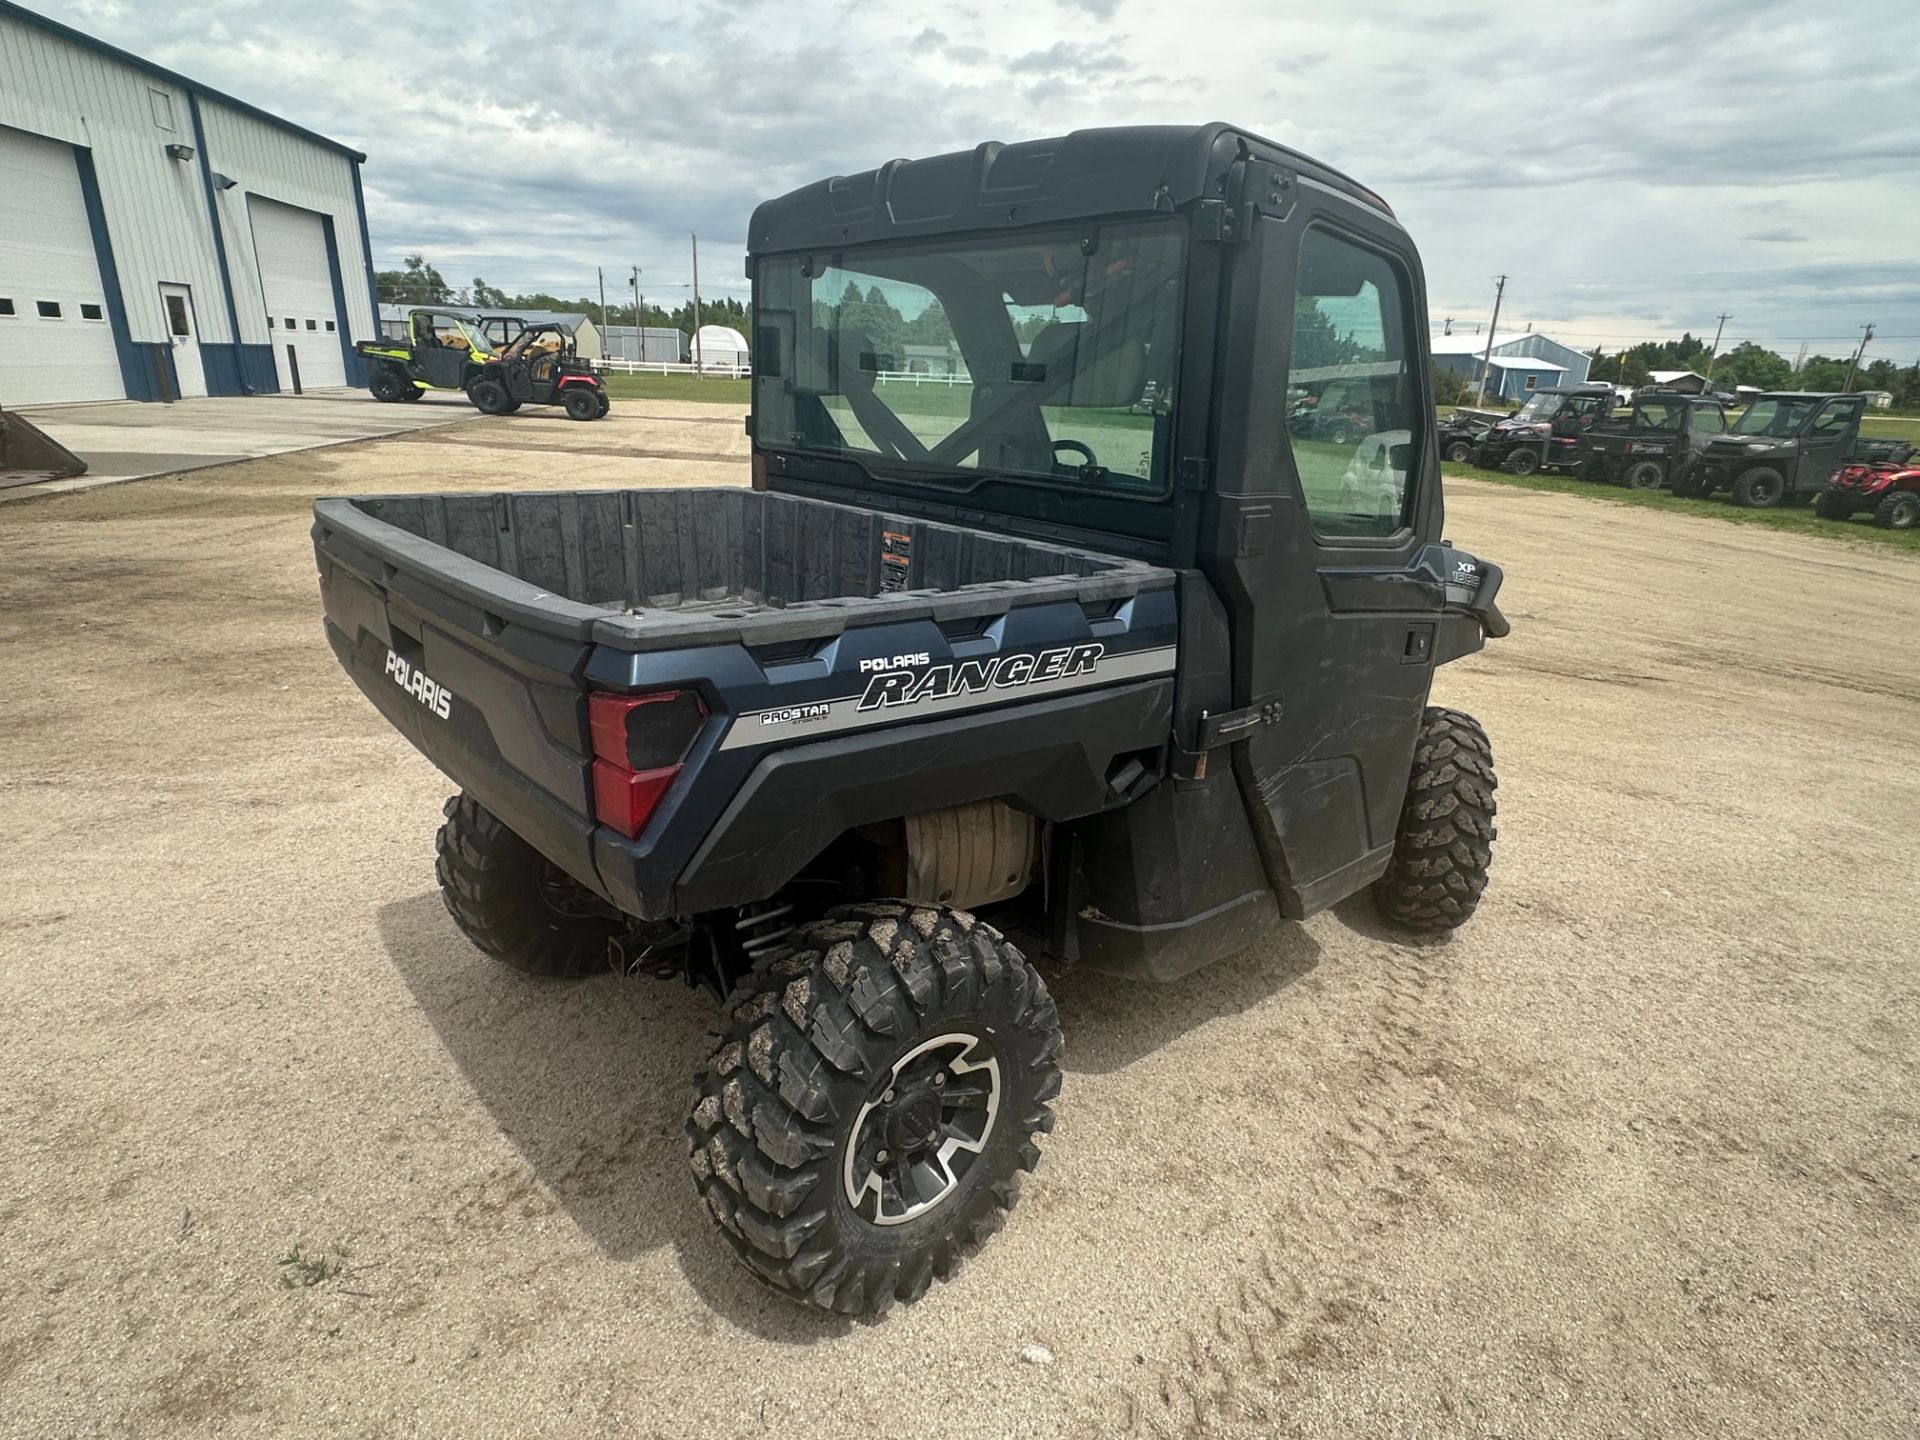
(659, 569)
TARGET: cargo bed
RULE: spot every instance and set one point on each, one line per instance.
(657, 569)
(836, 650)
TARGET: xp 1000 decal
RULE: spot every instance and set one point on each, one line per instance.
(898, 687)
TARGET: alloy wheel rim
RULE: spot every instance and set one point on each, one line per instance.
(918, 1137)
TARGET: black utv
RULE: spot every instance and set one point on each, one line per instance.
(1785, 446)
(539, 366)
(1549, 432)
(975, 680)
(1663, 437)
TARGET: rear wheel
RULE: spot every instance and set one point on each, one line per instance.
(388, 384)
(582, 402)
(1444, 846)
(876, 1094)
(1829, 506)
(513, 903)
(1523, 461)
(1899, 511)
(490, 397)
(1759, 487)
(1644, 475)
(1459, 451)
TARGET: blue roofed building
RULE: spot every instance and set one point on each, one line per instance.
(1521, 362)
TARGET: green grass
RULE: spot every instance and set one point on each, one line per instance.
(714, 390)
(1799, 518)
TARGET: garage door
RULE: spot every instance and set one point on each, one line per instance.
(291, 249)
(55, 343)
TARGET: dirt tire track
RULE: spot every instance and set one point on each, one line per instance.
(1310, 1274)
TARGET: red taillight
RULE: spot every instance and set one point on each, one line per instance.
(639, 742)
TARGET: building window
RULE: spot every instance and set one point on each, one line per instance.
(1532, 380)
(49, 309)
(92, 312)
(312, 326)
(269, 322)
(162, 104)
(6, 306)
(329, 325)
(177, 316)
(290, 324)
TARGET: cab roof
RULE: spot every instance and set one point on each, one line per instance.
(1124, 170)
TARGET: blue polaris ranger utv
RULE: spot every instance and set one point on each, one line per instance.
(1039, 640)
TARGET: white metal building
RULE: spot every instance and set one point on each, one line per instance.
(160, 239)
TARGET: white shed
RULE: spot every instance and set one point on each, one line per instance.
(720, 347)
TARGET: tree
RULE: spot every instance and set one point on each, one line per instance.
(487, 297)
(418, 284)
(1450, 387)
(1755, 365)
(1822, 372)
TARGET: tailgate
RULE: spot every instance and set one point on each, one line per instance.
(479, 670)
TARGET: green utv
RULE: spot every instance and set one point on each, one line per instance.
(444, 350)
(1071, 653)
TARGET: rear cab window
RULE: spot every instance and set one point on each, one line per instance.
(1351, 397)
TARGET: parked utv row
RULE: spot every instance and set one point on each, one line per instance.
(1785, 446)
(448, 350)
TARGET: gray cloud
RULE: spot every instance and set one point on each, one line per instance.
(1641, 170)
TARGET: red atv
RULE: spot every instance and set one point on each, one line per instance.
(1889, 488)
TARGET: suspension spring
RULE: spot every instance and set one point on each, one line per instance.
(763, 927)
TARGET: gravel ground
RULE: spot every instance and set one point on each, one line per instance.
(1636, 1153)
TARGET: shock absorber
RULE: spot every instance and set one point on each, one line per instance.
(763, 926)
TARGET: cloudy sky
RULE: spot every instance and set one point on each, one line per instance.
(1635, 168)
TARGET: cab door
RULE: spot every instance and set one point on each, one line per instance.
(1332, 622)
(1828, 440)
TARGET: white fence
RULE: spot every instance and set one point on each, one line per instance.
(664, 367)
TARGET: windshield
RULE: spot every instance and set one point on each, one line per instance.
(1540, 407)
(1773, 417)
(1049, 357)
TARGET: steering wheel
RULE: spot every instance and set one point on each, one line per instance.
(1086, 450)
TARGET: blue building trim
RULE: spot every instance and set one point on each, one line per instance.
(353, 363)
(137, 373)
(366, 255)
(227, 372)
(100, 47)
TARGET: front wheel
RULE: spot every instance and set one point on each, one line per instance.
(490, 397)
(1644, 475)
(583, 403)
(1760, 487)
(1522, 462)
(606, 403)
(1459, 452)
(1444, 847)
(1899, 511)
(876, 1094)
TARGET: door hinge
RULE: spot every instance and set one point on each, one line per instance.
(1195, 472)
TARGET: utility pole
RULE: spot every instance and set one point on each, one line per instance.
(601, 271)
(1486, 360)
(1447, 327)
(1853, 369)
(1714, 353)
(699, 366)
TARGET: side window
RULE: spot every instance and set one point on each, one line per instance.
(1350, 381)
(1709, 421)
(1833, 420)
